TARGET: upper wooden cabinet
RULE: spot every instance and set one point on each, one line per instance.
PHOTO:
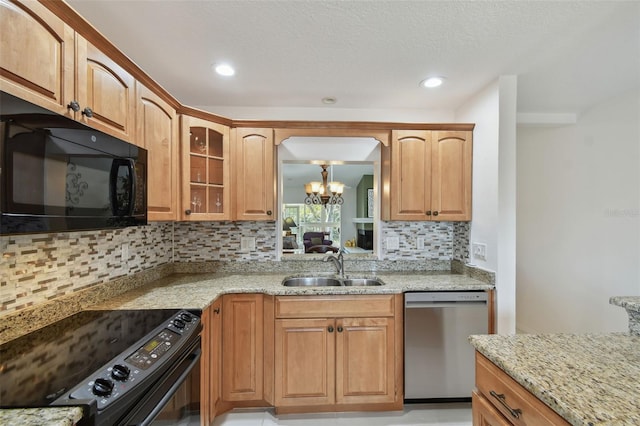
(44, 61)
(157, 131)
(105, 92)
(205, 170)
(254, 177)
(37, 55)
(430, 175)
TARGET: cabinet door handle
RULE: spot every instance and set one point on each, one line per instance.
(88, 112)
(340, 329)
(435, 213)
(428, 213)
(502, 400)
(187, 212)
(74, 105)
(330, 329)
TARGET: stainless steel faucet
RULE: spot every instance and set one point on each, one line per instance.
(338, 262)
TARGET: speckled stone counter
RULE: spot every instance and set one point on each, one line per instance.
(50, 416)
(197, 291)
(632, 305)
(587, 379)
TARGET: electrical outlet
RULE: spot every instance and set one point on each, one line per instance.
(393, 243)
(247, 244)
(124, 252)
(420, 243)
(479, 251)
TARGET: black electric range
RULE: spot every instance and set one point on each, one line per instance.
(71, 361)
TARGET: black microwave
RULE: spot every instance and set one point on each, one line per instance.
(60, 175)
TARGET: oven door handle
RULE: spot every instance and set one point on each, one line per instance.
(192, 360)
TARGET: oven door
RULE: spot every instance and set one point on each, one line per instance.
(173, 400)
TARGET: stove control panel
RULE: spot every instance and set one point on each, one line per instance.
(144, 361)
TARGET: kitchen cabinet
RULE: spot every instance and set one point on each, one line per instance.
(242, 347)
(47, 63)
(205, 179)
(157, 131)
(337, 352)
(500, 400)
(430, 176)
(211, 361)
(255, 179)
(37, 62)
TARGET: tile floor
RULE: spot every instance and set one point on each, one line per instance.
(451, 414)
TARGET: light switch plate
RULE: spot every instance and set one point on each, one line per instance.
(393, 243)
(420, 243)
(124, 252)
(479, 251)
(247, 243)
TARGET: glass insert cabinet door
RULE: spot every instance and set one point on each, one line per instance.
(205, 177)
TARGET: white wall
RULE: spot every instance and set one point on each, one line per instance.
(578, 220)
(493, 223)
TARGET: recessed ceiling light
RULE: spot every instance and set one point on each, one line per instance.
(432, 82)
(329, 100)
(225, 70)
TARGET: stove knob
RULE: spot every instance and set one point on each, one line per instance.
(185, 317)
(102, 387)
(120, 372)
(178, 323)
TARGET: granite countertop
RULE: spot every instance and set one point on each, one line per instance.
(588, 379)
(50, 416)
(632, 305)
(197, 291)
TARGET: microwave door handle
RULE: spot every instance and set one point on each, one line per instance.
(116, 209)
(131, 165)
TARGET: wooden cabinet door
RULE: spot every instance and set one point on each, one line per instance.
(210, 362)
(255, 183)
(37, 59)
(205, 175)
(107, 90)
(485, 414)
(304, 362)
(451, 176)
(410, 175)
(365, 362)
(242, 347)
(157, 131)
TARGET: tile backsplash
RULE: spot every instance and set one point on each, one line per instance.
(40, 267)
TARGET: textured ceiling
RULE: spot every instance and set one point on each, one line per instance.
(371, 55)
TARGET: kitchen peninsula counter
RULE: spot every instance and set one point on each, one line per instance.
(197, 291)
(588, 379)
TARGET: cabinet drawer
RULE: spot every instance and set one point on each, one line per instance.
(335, 306)
(502, 392)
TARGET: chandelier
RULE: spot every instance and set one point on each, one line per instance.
(322, 192)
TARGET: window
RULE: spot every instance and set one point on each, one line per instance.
(314, 218)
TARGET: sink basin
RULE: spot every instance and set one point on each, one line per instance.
(361, 282)
(311, 282)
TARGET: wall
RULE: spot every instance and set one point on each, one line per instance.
(578, 211)
(35, 268)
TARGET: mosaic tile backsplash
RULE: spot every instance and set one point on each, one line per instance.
(41, 267)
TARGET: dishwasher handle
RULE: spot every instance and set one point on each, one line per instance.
(442, 304)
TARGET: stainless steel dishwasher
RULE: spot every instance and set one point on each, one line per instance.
(438, 359)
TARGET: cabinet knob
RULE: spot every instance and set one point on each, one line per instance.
(340, 329)
(435, 213)
(74, 105)
(88, 112)
(428, 213)
(330, 329)
(216, 310)
(187, 212)
(269, 212)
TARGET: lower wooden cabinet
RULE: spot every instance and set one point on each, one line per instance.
(242, 347)
(500, 400)
(349, 359)
(210, 363)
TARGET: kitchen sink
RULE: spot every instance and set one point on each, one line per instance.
(361, 282)
(311, 282)
(330, 282)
